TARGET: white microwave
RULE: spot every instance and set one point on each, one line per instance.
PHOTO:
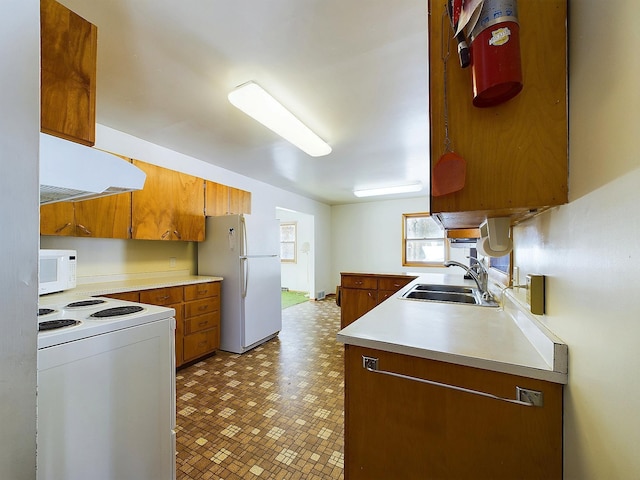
(57, 271)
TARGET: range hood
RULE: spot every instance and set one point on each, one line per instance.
(72, 172)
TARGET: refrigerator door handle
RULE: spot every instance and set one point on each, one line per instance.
(244, 272)
(243, 236)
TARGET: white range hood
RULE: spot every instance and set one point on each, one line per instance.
(72, 172)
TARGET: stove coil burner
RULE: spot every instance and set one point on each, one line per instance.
(54, 324)
(117, 311)
(45, 311)
(85, 303)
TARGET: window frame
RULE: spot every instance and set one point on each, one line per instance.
(445, 243)
(294, 242)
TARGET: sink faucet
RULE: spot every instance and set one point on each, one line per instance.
(481, 277)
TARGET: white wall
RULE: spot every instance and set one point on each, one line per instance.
(299, 276)
(589, 249)
(367, 237)
(103, 257)
(19, 127)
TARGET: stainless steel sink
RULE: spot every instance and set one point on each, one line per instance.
(444, 288)
(448, 294)
(442, 297)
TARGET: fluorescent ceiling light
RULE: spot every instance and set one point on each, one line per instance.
(414, 187)
(258, 104)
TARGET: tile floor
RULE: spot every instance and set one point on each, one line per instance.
(276, 412)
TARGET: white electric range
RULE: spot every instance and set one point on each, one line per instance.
(106, 390)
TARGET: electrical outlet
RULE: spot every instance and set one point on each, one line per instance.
(516, 276)
(172, 262)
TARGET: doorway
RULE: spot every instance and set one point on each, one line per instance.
(297, 253)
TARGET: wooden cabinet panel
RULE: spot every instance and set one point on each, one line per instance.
(516, 153)
(224, 200)
(68, 73)
(199, 344)
(359, 293)
(200, 307)
(393, 283)
(355, 302)
(357, 281)
(201, 290)
(169, 207)
(433, 432)
(106, 217)
(57, 219)
(162, 296)
(200, 323)
(239, 201)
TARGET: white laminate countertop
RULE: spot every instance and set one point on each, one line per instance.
(132, 284)
(499, 339)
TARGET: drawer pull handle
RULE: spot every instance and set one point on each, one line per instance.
(202, 292)
(163, 298)
(202, 324)
(203, 344)
(534, 398)
(203, 307)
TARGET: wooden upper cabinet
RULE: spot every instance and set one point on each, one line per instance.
(225, 200)
(68, 73)
(517, 152)
(105, 217)
(169, 207)
(57, 219)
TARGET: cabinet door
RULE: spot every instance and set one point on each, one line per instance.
(68, 73)
(57, 219)
(200, 343)
(239, 201)
(516, 152)
(217, 199)
(106, 217)
(355, 302)
(433, 432)
(169, 207)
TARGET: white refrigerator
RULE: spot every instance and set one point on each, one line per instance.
(245, 251)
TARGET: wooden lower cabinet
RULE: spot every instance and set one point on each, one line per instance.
(201, 320)
(400, 428)
(197, 316)
(361, 292)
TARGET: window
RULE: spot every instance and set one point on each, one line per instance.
(423, 241)
(288, 238)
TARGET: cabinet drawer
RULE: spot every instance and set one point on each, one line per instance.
(201, 322)
(394, 283)
(200, 307)
(201, 290)
(360, 282)
(201, 343)
(162, 296)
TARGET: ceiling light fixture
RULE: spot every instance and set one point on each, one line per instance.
(258, 104)
(372, 192)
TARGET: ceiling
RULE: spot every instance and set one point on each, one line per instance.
(353, 71)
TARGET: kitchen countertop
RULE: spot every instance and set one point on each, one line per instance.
(126, 284)
(506, 339)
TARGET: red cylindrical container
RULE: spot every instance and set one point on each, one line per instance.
(496, 70)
